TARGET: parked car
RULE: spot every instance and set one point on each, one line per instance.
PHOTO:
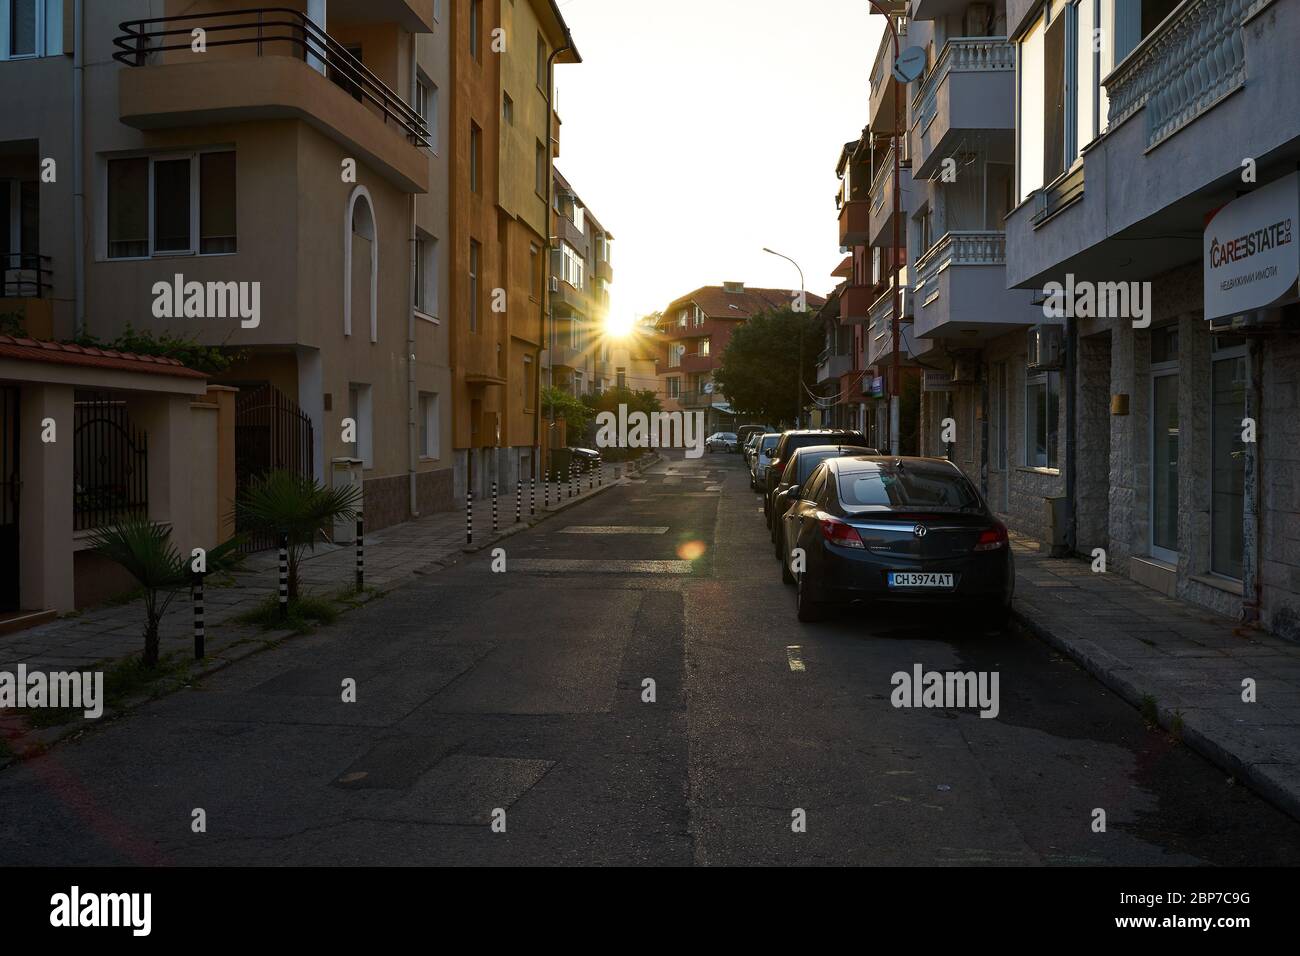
(721, 441)
(745, 431)
(751, 443)
(796, 472)
(790, 440)
(896, 529)
(585, 458)
(760, 458)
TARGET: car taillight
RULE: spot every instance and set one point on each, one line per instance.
(837, 532)
(992, 538)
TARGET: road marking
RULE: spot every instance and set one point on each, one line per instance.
(614, 529)
(564, 565)
(793, 656)
(713, 488)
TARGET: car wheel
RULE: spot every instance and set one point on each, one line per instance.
(783, 555)
(806, 609)
(776, 549)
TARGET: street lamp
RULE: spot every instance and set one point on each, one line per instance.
(801, 307)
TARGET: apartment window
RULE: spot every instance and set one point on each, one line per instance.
(698, 317)
(573, 269)
(579, 217)
(475, 255)
(683, 317)
(674, 388)
(1042, 404)
(430, 439)
(542, 54)
(24, 26)
(539, 170)
(426, 104)
(1228, 455)
(361, 411)
(171, 205)
(534, 271)
(475, 28)
(621, 378)
(530, 383)
(437, 9)
(675, 353)
(475, 158)
(704, 347)
(426, 275)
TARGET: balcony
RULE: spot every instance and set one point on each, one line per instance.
(880, 330)
(855, 222)
(970, 90)
(570, 358)
(885, 94)
(855, 304)
(604, 271)
(695, 362)
(265, 63)
(26, 284)
(831, 367)
(566, 300)
(881, 231)
(961, 290)
(700, 399)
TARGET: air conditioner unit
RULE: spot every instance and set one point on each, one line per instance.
(1046, 346)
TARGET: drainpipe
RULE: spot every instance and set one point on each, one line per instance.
(1252, 596)
(412, 394)
(550, 243)
(78, 170)
(1071, 410)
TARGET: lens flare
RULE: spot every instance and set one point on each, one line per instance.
(691, 550)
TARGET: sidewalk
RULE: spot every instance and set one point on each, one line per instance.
(1182, 665)
(96, 638)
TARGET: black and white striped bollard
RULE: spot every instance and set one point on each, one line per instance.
(573, 478)
(469, 516)
(532, 496)
(494, 508)
(546, 490)
(196, 592)
(519, 499)
(284, 576)
(361, 555)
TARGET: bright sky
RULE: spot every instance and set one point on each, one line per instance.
(699, 131)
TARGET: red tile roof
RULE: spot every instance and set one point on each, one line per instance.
(717, 303)
(56, 353)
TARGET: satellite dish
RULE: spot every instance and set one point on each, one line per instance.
(708, 388)
(910, 64)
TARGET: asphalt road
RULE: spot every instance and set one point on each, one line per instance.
(517, 696)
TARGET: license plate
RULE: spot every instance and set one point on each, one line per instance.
(919, 579)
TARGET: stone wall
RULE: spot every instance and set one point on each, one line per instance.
(1279, 436)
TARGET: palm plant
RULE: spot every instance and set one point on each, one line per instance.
(296, 505)
(144, 548)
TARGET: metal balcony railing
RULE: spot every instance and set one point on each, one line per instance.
(25, 276)
(269, 29)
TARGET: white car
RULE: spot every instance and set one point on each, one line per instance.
(721, 441)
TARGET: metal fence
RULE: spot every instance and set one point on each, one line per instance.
(271, 434)
(110, 463)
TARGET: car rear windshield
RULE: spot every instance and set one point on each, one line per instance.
(886, 487)
(823, 438)
(810, 460)
(769, 441)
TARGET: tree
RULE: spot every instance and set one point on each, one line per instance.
(759, 370)
(643, 400)
(557, 403)
(145, 550)
(296, 505)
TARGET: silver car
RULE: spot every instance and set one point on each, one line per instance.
(761, 459)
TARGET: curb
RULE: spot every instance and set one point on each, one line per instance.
(1126, 681)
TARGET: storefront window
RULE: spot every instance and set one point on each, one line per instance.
(1042, 407)
(1228, 478)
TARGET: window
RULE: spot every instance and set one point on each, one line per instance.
(579, 217)
(426, 104)
(475, 254)
(429, 437)
(1228, 456)
(675, 352)
(22, 28)
(542, 54)
(529, 382)
(171, 205)
(539, 170)
(475, 28)
(507, 109)
(704, 346)
(1165, 442)
(361, 411)
(426, 275)
(534, 271)
(1042, 403)
(1030, 123)
(475, 158)
(620, 376)
(674, 387)
(572, 268)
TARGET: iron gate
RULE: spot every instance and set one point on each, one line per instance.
(271, 434)
(110, 463)
(9, 488)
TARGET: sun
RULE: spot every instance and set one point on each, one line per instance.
(619, 326)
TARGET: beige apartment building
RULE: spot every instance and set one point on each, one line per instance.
(272, 180)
